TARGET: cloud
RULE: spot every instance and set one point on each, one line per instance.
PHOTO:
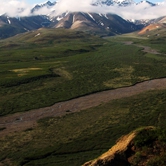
(140, 11)
(43, 11)
(14, 8)
(74, 5)
(71, 6)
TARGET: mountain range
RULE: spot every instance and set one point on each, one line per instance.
(96, 22)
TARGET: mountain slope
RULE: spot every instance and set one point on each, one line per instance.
(10, 26)
(108, 23)
(157, 27)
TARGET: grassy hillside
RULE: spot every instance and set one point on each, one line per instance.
(42, 67)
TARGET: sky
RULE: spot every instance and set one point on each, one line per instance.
(36, 1)
(14, 8)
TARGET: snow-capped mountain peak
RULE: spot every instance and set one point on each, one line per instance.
(146, 2)
(47, 4)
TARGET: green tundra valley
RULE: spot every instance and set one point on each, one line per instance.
(46, 77)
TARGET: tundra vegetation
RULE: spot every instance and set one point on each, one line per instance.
(40, 68)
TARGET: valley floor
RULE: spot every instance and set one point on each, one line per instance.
(145, 48)
(22, 121)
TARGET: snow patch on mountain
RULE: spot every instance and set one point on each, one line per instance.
(8, 20)
(59, 18)
(37, 35)
(91, 16)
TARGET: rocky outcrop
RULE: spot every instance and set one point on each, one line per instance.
(142, 147)
(117, 155)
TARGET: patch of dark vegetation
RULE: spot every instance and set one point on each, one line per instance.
(8, 30)
(70, 51)
(18, 82)
(28, 129)
(149, 148)
(2, 128)
(145, 137)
